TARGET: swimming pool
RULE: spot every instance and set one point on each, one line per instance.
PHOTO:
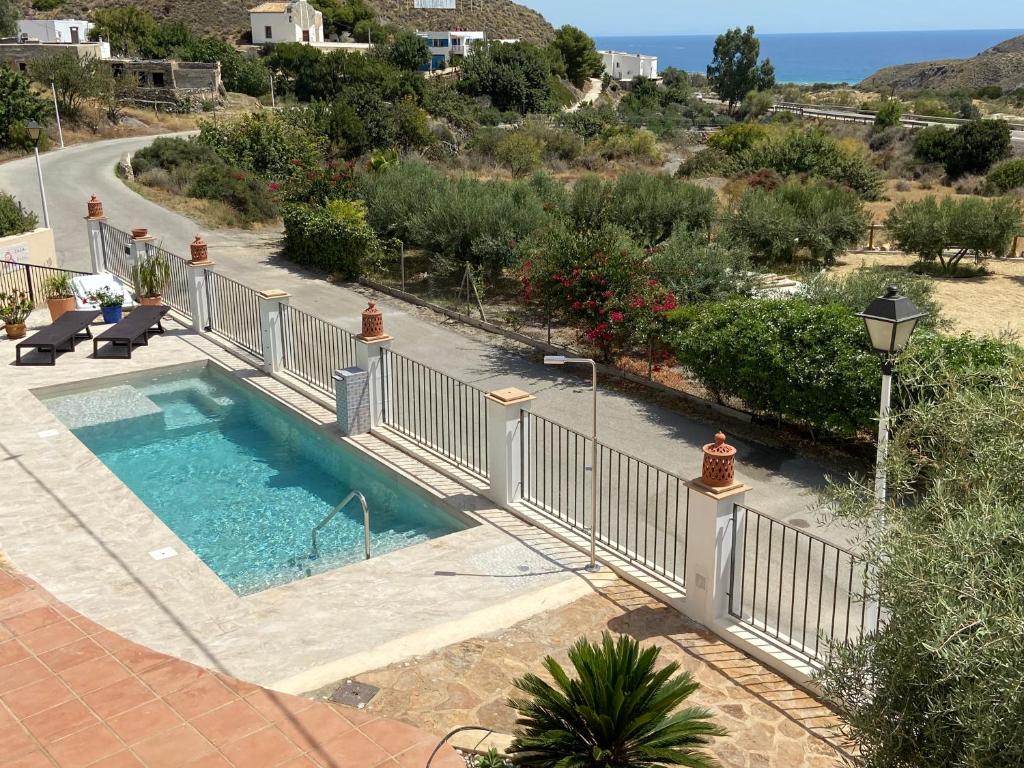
(243, 481)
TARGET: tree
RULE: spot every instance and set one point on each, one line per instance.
(18, 104)
(513, 75)
(129, 30)
(579, 53)
(14, 219)
(939, 683)
(977, 146)
(9, 15)
(407, 51)
(734, 71)
(75, 81)
(755, 104)
(890, 114)
(618, 711)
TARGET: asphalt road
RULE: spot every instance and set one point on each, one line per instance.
(785, 485)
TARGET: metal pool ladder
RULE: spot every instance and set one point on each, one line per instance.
(315, 547)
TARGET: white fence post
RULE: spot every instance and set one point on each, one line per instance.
(369, 357)
(715, 525)
(505, 440)
(197, 296)
(94, 222)
(272, 329)
(140, 248)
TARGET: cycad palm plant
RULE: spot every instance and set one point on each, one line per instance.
(620, 712)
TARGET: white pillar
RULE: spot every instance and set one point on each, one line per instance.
(96, 252)
(369, 357)
(709, 548)
(272, 329)
(197, 295)
(140, 248)
(505, 440)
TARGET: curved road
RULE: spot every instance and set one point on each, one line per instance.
(784, 484)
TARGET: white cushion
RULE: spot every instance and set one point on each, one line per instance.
(87, 285)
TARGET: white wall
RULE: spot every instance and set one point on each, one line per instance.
(626, 66)
(54, 30)
(303, 16)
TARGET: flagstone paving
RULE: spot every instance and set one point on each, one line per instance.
(771, 723)
(73, 694)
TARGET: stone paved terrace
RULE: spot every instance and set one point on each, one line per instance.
(771, 724)
(75, 694)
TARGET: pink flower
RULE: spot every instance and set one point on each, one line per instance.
(617, 317)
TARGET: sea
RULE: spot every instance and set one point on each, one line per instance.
(829, 57)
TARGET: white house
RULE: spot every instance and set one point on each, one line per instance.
(55, 30)
(444, 45)
(286, 22)
(626, 66)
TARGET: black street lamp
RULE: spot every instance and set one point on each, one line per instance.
(34, 132)
(890, 321)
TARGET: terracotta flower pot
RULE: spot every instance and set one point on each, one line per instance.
(151, 301)
(139, 232)
(15, 331)
(59, 306)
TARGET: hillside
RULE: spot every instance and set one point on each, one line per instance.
(230, 18)
(1001, 65)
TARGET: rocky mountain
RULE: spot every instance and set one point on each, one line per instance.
(230, 18)
(1001, 65)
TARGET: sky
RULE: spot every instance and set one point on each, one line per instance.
(694, 17)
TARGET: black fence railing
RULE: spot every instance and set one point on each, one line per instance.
(30, 278)
(117, 250)
(442, 414)
(176, 294)
(642, 510)
(314, 349)
(796, 587)
(234, 312)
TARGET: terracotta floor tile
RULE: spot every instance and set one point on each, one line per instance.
(31, 760)
(173, 749)
(264, 748)
(351, 750)
(277, 706)
(94, 674)
(85, 747)
(12, 651)
(88, 626)
(203, 695)
(31, 620)
(417, 756)
(51, 636)
(314, 727)
(152, 718)
(5, 633)
(357, 717)
(9, 585)
(212, 760)
(229, 723)
(28, 670)
(118, 697)
(240, 687)
(71, 655)
(171, 676)
(60, 721)
(14, 740)
(30, 699)
(139, 658)
(21, 602)
(393, 735)
(123, 759)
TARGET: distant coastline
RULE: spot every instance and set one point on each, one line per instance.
(828, 57)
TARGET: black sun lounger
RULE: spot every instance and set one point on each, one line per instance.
(60, 335)
(134, 330)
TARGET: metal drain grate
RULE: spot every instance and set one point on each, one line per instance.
(353, 694)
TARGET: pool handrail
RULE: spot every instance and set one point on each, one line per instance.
(315, 548)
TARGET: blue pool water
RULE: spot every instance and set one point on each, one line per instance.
(241, 480)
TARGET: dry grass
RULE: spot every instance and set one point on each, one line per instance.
(988, 305)
(212, 214)
(892, 195)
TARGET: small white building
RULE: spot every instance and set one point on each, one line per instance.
(286, 22)
(55, 30)
(626, 66)
(444, 45)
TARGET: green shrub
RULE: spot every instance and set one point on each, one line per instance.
(14, 219)
(791, 359)
(931, 144)
(240, 189)
(973, 147)
(172, 153)
(649, 206)
(519, 152)
(394, 195)
(1005, 176)
(738, 137)
(629, 144)
(855, 290)
(587, 202)
(267, 144)
(696, 270)
(796, 221)
(335, 238)
(709, 162)
(889, 114)
(18, 104)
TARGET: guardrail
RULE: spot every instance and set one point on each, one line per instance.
(314, 349)
(234, 312)
(30, 278)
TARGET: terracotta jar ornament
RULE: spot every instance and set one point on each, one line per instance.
(719, 463)
(199, 250)
(373, 322)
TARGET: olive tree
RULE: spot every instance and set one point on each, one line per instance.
(734, 71)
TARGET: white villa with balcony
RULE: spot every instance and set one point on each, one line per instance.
(626, 66)
(286, 22)
(444, 45)
(55, 30)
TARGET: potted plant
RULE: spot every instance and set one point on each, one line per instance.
(60, 297)
(14, 311)
(110, 302)
(150, 276)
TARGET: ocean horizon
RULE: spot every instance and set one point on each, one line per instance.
(825, 57)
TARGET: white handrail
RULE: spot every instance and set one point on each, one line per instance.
(315, 548)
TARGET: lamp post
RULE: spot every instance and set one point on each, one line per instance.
(890, 321)
(34, 131)
(593, 566)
